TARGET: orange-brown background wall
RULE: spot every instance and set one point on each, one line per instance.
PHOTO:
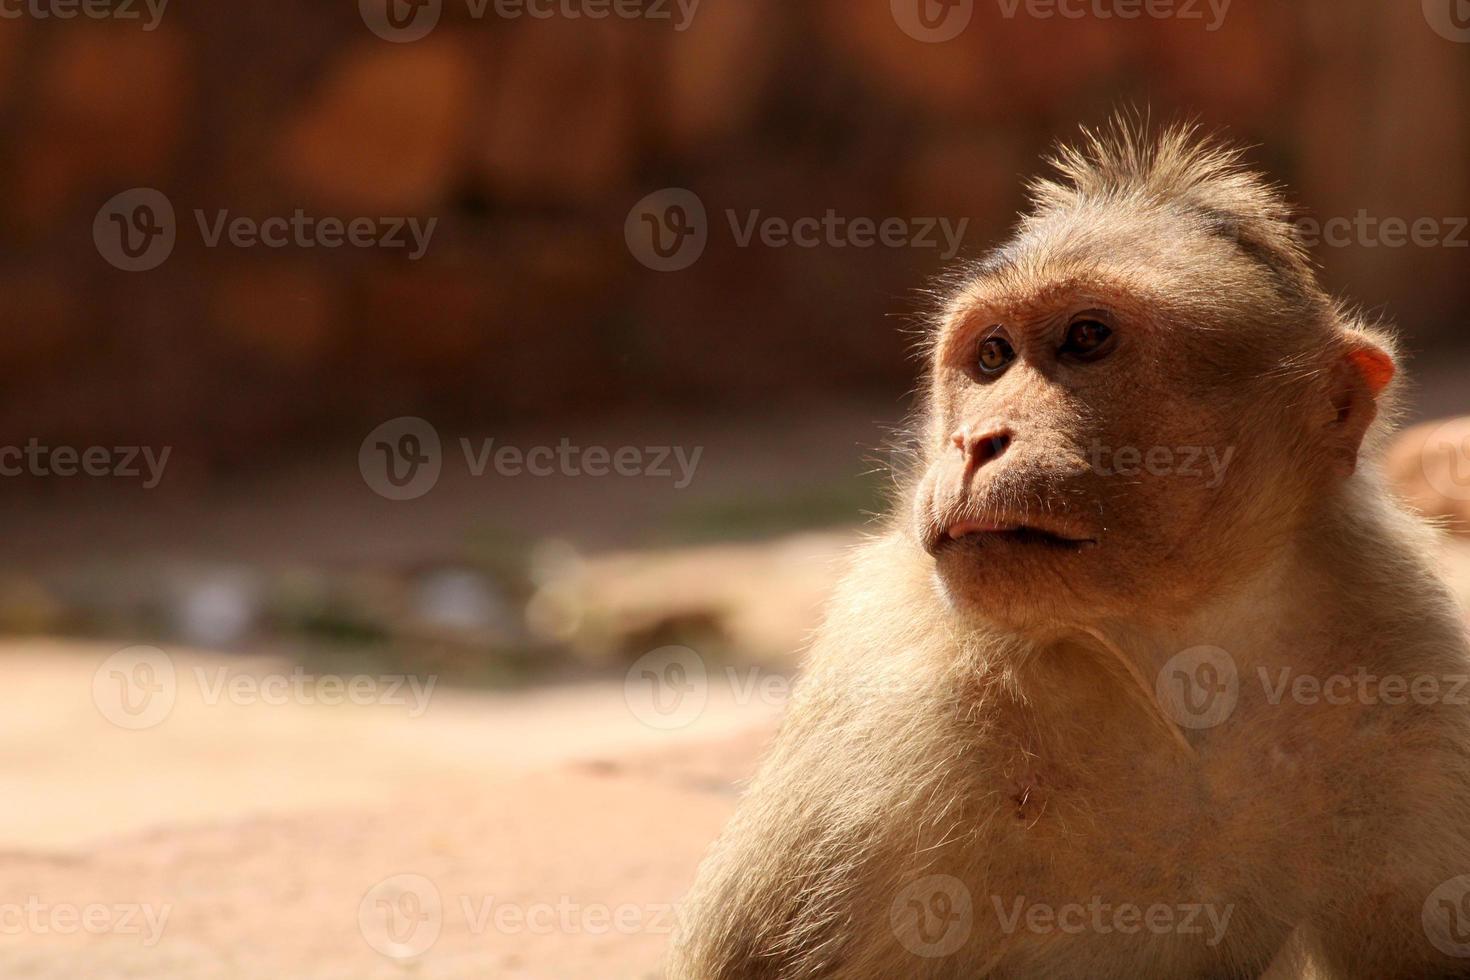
(529, 140)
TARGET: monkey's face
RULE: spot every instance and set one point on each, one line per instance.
(1090, 449)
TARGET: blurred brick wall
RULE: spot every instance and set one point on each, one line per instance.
(529, 140)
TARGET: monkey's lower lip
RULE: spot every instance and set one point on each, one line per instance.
(1014, 533)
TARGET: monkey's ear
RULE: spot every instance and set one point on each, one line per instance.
(1362, 373)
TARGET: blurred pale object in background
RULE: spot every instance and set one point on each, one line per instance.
(1430, 466)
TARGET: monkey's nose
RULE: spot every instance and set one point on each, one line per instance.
(983, 448)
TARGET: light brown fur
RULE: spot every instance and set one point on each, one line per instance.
(985, 709)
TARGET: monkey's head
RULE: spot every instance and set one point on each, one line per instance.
(1144, 393)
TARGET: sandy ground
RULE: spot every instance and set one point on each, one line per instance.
(543, 834)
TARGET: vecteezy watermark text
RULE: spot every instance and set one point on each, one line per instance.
(568, 459)
(669, 230)
(137, 230)
(35, 917)
(126, 462)
(832, 230)
(1101, 917)
(1364, 687)
(299, 687)
(1201, 687)
(306, 231)
(138, 688)
(403, 915)
(402, 459)
(120, 10)
(1183, 461)
(1371, 231)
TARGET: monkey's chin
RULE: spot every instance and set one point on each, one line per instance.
(1013, 577)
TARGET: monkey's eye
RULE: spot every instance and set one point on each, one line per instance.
(1087, 339)
(995, 354)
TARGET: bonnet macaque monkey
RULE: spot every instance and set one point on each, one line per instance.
(1147, 676)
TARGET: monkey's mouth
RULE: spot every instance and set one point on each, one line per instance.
(983, 533)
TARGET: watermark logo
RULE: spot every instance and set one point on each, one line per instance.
(668, 230)
(401, 916)
(1445, 459)
(135, 231)
(932, 917)
(667, 688)
(1446, 917)
(401, 459)
(1449, 18)
(1199, 687)
(136, 688)
(401, 21)
(932, 21)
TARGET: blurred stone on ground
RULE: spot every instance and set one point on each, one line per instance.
(761, 599)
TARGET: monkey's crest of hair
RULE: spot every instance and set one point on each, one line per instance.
(1181, 170)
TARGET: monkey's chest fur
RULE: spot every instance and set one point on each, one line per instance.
(1074, 817)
